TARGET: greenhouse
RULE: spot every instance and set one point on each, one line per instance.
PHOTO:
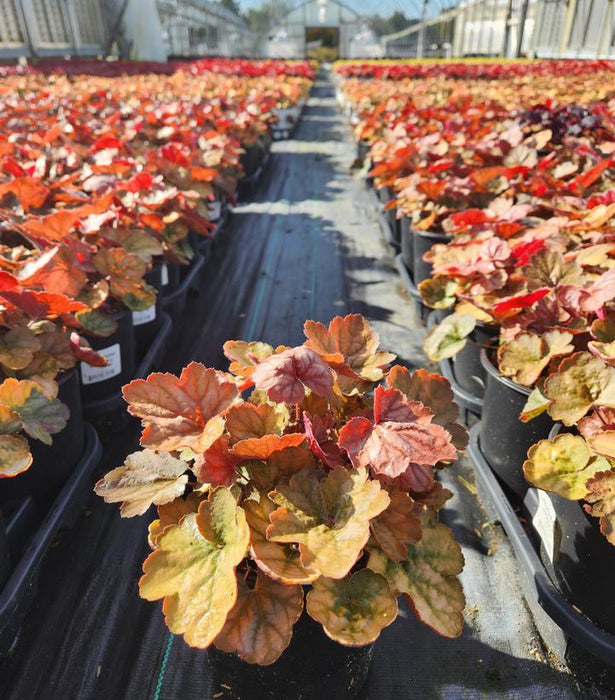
(307, 349)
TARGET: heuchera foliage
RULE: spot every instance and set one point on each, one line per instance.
(321, 474)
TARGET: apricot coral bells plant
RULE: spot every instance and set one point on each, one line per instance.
(321, 481)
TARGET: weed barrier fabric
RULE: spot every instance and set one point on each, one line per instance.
(306, 246)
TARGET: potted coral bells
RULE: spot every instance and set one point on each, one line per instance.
(310, 504)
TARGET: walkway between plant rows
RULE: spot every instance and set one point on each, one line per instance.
(307, 245)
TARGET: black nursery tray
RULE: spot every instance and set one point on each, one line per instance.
(563, 628)
(383, 221)
(20, 588)
(154, 356)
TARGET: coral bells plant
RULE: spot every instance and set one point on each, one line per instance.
(316, 490)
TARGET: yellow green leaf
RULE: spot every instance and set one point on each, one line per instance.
(353, 610)
(17, 348)
(428, 578)
(535, 405)
(260, 625)
(580, 382)
(15, 456)
(525, 357)
(146, 478)
(328, 518)
(448, 337)
(563, 465)
(438, 292)
(170, 514)
(193, 569)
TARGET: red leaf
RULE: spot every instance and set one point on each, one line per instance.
(392, 405)
(216, 465)
(203, 174)
(590, 176)
(8, 282)
(520, 301)
(140, 182)
(524, 251)
(85, 353)
(285, 375)
(322, 448)
(106, 142)
(469, 217)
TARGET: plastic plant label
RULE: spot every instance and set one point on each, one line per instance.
(93, 375)
(215, 210)
(165, 275)
(141, 317)
(546, 525)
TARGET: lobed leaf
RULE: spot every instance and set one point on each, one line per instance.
(181, 412)
(448, 337)
(328, 518)
(353, 610)
(285, 375)
(525, 357)
(397, 526)
(601, 500)
(580, 382)
(41, 416)
(259, 627)
(563, 465)
(428, 578)
(193, 569)
(15, 455)
(146, 478)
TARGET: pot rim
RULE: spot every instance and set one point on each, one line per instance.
(492, 370)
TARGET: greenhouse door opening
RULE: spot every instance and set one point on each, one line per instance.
(322, 43)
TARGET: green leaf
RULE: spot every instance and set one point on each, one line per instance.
(193, 568)
(41, 415)
(438, 292)
(328, 518)
(428, 578)
(563, 465)
(448, 337)
(353, 610)
(96, 323)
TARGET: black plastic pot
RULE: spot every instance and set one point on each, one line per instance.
(312, 668)
(119, 349)
(52, 464)
(504, 439)
(467, 366)
(250, 159)
(362, 150)
(175, 303)
(423, 241)
(170, 277)
(147, 323)
(422, 311)
(586, 648)
(407, 242)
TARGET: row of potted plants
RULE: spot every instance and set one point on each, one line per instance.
(110, 191)
(503, 195)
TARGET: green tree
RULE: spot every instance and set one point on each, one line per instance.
(231, 5)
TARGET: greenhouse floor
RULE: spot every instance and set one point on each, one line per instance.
(307, 245)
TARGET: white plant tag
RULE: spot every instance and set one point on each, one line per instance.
(141, 317)
(93, 375)
(165, 275)
(546, 525)
(215, 210)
